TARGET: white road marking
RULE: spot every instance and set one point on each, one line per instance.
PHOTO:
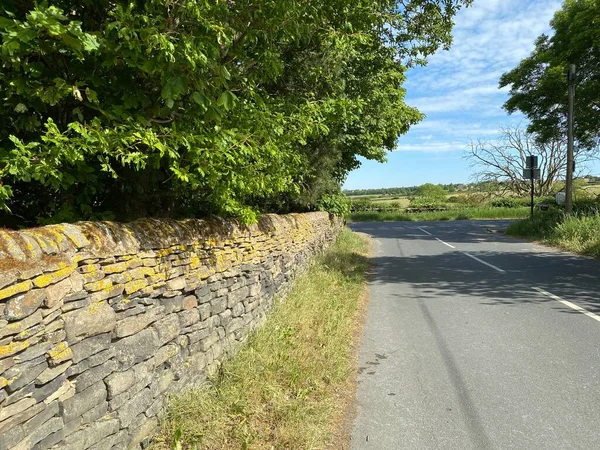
(445, 243)
(424, 231)
(483, 262)
(569, 304)
(469, 255)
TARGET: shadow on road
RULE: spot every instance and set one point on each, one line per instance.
(441, 276)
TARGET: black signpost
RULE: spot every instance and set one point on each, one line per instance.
(531, 172)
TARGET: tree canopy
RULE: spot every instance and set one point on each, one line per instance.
(433, 191)
(121, 109)
(539, 87)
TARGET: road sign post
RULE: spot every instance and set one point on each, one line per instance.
(532, 198)
(531, 172)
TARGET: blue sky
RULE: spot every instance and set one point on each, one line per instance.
(458, 92)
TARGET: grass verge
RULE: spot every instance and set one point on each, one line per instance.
(288, 385)
(577, 233)
(451, 214)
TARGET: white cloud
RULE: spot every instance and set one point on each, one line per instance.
(433, 147)
(458, 90)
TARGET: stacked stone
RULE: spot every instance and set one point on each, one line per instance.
(99, 322)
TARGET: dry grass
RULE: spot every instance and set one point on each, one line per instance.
(289, 385)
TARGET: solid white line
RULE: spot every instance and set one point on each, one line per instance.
(445, 243)
(483, 262)
(569, 304)
(424, 231)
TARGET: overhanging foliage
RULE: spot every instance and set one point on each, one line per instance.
(179, 108)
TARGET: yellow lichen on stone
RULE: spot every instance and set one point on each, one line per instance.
(168, 251)
(11, 246)
(211, 242)
(89, 268)
(93, 308)
(121, 266)
(205, 272)
(60, 353)
(135, 285)
(15, 289)
(194, 262)
(59, 237)
(99, 285)
(13, 347)
(140, 272)
(49, 278)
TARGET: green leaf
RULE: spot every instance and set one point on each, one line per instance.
(91, 95)
(6, 23)
(198, 98)
(212, 115)
(227, 100)
(90, 43)
(173, 88)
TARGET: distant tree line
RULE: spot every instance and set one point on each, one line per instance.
(408, 191)
(121, 109)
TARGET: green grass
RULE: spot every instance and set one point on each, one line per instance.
(451, 214)
(287, 386)
(577, 233)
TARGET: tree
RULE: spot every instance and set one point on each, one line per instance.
(538, 85)
(428, 195)
(433, 191)
(501, 162)
(162, 108)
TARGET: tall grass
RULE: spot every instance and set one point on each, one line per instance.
(284, 389)
(451, 214)
(577, 233)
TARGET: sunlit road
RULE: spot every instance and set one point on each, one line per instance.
(475, 340)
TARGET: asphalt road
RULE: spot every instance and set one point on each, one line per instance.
(474, 341)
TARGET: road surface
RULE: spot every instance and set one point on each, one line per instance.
(475, 340)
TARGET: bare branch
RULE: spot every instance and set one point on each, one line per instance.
(502, 161)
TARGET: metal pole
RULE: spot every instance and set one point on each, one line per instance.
(569, 184)
(531, 194)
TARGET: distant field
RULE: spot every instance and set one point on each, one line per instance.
(463, 205)
(403, 202)
(451, 214)
(593, 188)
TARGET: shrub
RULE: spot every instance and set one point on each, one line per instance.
(504, 202)
(429, 190)
(361, 204)
(578, 233)
(336, 204)
(541, 226)
(427, 202)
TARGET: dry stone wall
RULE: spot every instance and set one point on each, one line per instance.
(99, 322)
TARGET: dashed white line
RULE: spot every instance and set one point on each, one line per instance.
(471, 256)
(569, 304)
(424, 231)
(445, 243)
(483, 262)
